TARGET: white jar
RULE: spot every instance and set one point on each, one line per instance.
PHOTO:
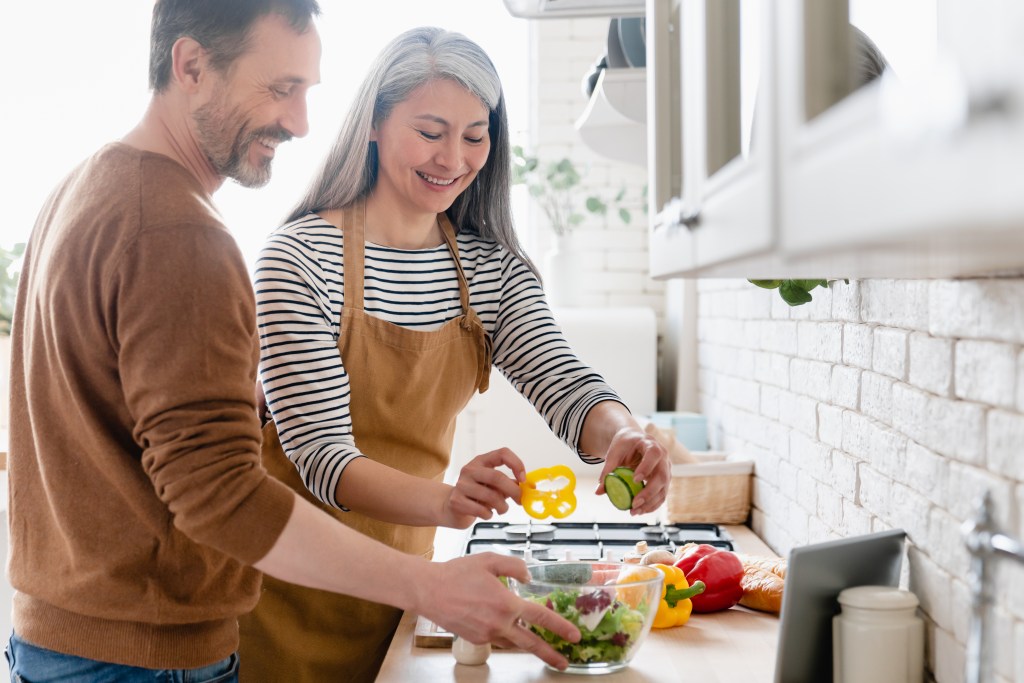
(469, 654)
(878, 637)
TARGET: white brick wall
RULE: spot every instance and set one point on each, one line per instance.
(615, 253)
(883, 403)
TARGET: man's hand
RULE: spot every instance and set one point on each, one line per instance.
(465, 597)
(482, 489)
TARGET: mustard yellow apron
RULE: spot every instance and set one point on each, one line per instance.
(407, 387)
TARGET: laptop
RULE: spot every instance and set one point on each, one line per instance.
(815, 576)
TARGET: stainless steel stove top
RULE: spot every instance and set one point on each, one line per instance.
(587, 540)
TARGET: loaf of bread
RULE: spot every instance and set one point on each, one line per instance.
(775, 565)
(762, 590)
(763, 581)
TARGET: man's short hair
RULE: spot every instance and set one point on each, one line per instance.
(222, 27)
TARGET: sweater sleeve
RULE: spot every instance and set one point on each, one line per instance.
(185, 333)
(531, 351)
(299, 301)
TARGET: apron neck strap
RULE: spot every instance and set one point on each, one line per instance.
(353, 222)
(453, 245)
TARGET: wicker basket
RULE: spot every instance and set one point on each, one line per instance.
(714, 490)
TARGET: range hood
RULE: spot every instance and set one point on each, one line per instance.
(555, 9)
(614, 124)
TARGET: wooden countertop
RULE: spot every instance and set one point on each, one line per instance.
(735, 645)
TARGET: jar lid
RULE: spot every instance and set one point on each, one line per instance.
(877, 597)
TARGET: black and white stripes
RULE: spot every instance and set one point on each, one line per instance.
(299, 295)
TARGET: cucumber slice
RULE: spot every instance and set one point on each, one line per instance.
(626, 475)
(618, 491)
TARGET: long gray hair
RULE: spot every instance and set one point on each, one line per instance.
(416, 57)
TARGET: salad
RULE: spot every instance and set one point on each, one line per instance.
(608, 628)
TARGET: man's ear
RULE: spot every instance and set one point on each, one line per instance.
(188, 62)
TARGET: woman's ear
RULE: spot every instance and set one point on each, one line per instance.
(188, 61)
(373, 134)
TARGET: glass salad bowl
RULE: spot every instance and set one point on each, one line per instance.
(613, 605)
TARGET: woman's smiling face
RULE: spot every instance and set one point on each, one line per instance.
(431, 147)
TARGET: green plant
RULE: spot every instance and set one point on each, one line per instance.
(8, 284)
(793, 292)
(555, 186)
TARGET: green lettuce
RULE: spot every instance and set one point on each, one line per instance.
(606, 643)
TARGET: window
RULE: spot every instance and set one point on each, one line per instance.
(82, 82)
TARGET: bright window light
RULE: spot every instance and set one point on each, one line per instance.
(77, 75)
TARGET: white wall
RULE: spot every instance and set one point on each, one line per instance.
(881, 404)
(563, 51)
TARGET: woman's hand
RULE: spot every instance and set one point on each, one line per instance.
(631, 447)
(482, 489)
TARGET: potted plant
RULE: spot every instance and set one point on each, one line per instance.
(556, 187)
(794, 292)
(8, 284)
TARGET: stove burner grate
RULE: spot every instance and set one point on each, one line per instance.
(529, 530)
(537, 549)
(588, 540)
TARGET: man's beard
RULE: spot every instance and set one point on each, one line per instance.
(225, 139)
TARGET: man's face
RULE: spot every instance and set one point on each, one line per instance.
(259, 101)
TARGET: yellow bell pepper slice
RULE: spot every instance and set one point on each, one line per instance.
(675, 607)
(545, 495)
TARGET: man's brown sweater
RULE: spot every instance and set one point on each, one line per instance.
(137, 498)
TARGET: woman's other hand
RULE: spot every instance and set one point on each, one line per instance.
(483, 489)
(631, 447)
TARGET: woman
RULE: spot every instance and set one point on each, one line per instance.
(383, 302)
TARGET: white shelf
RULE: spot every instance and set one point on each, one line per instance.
(556, 9)
(614, 122)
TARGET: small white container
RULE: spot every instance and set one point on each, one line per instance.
(469, 654)
(878, 637)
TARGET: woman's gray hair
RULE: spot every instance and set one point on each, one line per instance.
(416, 57)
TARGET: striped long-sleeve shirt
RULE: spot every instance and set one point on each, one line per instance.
(299, 292)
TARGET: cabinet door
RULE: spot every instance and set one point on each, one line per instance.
(915, 173)
(725, 209)
(728, 129)
(671, 246)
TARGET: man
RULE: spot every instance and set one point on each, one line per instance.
(138, 502)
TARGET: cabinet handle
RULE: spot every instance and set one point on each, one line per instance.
(676, 213)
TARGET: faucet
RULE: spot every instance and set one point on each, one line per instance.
(984, 543)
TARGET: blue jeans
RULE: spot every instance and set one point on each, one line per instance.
(32, 664)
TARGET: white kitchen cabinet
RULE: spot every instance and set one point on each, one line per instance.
(723, 210)
(671, 242)
(915, 174)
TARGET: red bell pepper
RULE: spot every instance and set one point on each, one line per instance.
(692, 552)
(722, 574)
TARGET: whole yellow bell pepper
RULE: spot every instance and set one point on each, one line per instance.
(675, 606)
(542, 497)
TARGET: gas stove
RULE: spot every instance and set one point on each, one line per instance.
(544, 542)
